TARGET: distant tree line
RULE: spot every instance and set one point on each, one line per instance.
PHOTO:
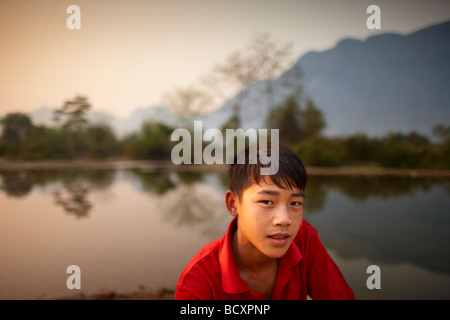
(301, 127)
(73, 137)
(299, 121)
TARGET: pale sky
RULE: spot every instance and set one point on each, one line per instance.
(128, 53)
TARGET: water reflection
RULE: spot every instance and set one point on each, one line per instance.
(363, 188)
(20, 183)
(73, 199)
(158, 182)
(72, 186)
(192, 199)
(386, 219)
(16, 184)
(390, 221)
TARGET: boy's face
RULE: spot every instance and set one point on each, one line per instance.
(269, 217)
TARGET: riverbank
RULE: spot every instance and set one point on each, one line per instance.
(162, 294)
(156, 165)
(7, 165)
(356, 171)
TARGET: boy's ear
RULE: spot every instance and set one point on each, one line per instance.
(231, 202)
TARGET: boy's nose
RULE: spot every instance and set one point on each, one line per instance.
(282, 217)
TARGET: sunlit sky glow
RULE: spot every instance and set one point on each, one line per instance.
(129, 53)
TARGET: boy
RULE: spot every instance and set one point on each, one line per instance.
(268, 252)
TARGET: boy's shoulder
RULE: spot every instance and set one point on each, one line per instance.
(307, 231)
(202, 273)
(205, 259)
(307, 239)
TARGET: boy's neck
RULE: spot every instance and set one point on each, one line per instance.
(257, 270)
(248, 258)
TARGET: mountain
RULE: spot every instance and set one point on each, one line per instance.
(123, 126)
(387, 82)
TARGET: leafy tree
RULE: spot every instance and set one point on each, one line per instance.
(16, 128)
(442, 132)
(417, 140)
(287, 118)
(73, 113)
(320, 152)
(45, 143)
(150, 142)
(360, 148)
(294, 122)
(100, 141)
(404, 151)
(313, 121)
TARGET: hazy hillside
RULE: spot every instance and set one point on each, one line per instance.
(388, 82)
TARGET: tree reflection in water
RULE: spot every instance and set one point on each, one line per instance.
(73, 199)
(199, 207)
(73, 186)
(191, 199)
(16, 184)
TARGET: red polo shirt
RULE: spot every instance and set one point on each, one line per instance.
(305, 269)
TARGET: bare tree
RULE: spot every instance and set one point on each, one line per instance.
(263, 59)
(234, 75)
(188, 103)
(271, 57)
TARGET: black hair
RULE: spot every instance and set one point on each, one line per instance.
(291, 171)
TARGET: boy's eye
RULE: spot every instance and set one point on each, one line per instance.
(297, 204)
(267, 202)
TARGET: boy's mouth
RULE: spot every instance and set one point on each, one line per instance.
(279, 238)
(280, 235)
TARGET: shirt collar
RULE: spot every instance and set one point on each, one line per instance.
(231, 279)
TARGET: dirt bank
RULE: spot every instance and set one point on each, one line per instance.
(162, 294)
(155, 165)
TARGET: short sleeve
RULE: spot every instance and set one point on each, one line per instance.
(325, 280)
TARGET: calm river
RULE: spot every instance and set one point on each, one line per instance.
(136, 229)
